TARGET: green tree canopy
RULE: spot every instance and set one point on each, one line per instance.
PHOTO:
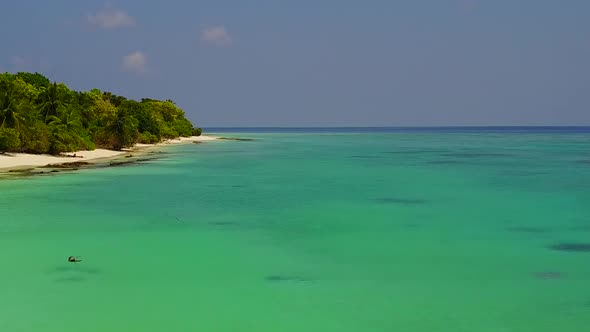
(38, 116)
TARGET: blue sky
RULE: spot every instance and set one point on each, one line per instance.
(318, 63)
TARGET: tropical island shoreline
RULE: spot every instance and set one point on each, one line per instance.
(50, 126)
(15, 163)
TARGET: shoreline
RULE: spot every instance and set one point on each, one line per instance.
(21, 163)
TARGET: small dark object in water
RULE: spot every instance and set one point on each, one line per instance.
(525, 229)
(129, 156)
(407, 201)
(549, 275)
(197, 142)
(73, 259)
(572, 247)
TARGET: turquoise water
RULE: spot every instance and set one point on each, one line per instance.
(338, 232)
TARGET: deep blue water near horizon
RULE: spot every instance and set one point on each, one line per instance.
(446, 129)
(309, 230)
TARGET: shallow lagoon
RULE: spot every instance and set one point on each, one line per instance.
(325, 231)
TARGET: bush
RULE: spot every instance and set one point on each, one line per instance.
(65, 142)
(183, 127)
(69, 141)
(197, 131)
(148, 138)
(168, 132)
(87, 143)
(102, 137)
(9, 140)
(38, 139)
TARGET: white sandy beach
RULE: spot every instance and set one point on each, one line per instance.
(24, 160)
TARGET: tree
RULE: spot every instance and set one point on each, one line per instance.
(9, 140)
(7, 107)
(14, 114)
(67, 130)
(35, 79)
(147, 121)
(38, 138)
(114, 99)
(13, 104)
(38, 116)
(183, 127)
(124, 129)
(52, 98)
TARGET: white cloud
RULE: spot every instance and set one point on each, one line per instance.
(216, 35)
(111, 18)
(135, 62)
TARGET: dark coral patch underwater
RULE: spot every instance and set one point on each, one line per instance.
(284, 278)
(571, 247)
(475, 155)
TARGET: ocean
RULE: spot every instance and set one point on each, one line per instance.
(345, 229)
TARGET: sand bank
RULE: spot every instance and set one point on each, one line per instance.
(13, 161)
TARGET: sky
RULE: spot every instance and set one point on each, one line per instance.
(238, 63)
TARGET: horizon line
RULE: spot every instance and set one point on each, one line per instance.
(401, 127)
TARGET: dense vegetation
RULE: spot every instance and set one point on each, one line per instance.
(37, 116)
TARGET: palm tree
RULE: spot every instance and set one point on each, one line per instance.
(12, 111)
(51, 100)
(124, 130)
(6, 106)
(66, 129)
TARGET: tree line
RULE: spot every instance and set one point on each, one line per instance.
(38, 116)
